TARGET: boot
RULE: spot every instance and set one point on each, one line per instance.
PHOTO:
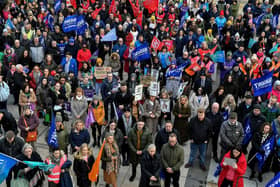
(98, 141)
(252, 175)
(260, 177)
(133, 173)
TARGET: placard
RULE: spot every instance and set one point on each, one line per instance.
(89, 93)
(138, 92)
(155, 74)
(145, 80)
(165, 105)
(101, 72)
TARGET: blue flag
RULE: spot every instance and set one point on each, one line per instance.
(52, 138)
(81, 25)
(69, 24)
(42, 165)
(6, 163)
(248, 132)
(251, 43)
(274, 182)
(274, 130)
(273, 49)
(110, 36)
(263, 84)
(141, 53)
(219, 56)
(267, 147)
(49, 21)
(57, 6)
(258, 19)
(10, 24)
(226, 115)
(176, 72)
(275, 21)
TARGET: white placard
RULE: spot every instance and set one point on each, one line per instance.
(165, 105)
(138, 92)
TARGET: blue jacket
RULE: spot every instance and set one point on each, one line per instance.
(77, 139)
(120, 49)
(4, 91)
(72, 66)
(220, 22)
(165, 59)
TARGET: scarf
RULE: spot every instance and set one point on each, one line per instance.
(139, 134)
(112, 150)
(127, 124)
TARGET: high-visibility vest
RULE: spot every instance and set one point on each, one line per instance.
(55, 174)
(171, 18)
(160, 17)
(276, 69)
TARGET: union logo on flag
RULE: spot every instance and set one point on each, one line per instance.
(155, 43)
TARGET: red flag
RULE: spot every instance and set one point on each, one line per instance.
(93, 174)
(139, 19)
(155, 43)
(135, 8)
(95, 13)
(213, 50)
(113, 8)
(73, 3)
(151, 5)
(168, 44)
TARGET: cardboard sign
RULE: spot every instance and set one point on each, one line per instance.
(145, 80)
(165, 105)
(101, 72)
(154, 88)
(138, 92)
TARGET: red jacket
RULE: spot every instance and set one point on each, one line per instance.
(239, 172)
(83, 56)
(32, 81)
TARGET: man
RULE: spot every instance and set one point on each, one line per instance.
(11, 145)
(69, 64)
(216, 119)
(34, 77)
(139, 138)
(125, 124)
(203, 82)
(231, 134)
(163, 135)
(37, 52)
(200, 131)
(8, 121)
(172, 158)
(245, 107)
(19, 79)
(4, 93)
(123, 97)
(18, 49)
(270, 109)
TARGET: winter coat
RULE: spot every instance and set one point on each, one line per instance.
(83, 56)
(255, 121)
(43, 97)
(78, 138)
(207, 87)
(79, 108)
(32, 122)
(182, 124)
(124, 127)
(65, 177)
(118, 136)
(32, 82)
(216, 121)
(25, 101)
(8, 121)
(200, 131)
(12, 149)
(4, 91)
(37, 53)
(195, 103)
(150, 166)
(242, 110)
(145, 141)
(107, 87)
(121, 99)
(72, 65)
(151, 123)
(82, 169)
(50, 67)
(172, 156)
(231, 135)
(163, 136)
(115, 62)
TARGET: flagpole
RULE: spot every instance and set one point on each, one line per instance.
(13, 158)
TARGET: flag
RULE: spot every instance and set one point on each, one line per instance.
(10, 24)
(139, 19)
(155, 43)
(69, 24)
(212, 51)
(167, 43)
(57, 6)
(262, 85)
(218, 56)
(113, 7)
(151, 5)
(93, 174)
(274, 129)
(226, 115)
(94, 55)
(273, 49)
(274, 182)
(258, 19)
(251, 43)
(6, 163)
(110, 36)
(267, 146)
(176, 72)
(248, 132)
(52, 137)
(95, 13)
(141, 53)
(135, 8)
(218, 170)
(81, 25)
(49, 21)
(89, 119)
(275, 21)
(42, 165)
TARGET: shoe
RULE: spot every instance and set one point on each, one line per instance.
(216, 159)
(252, 176)
(202, 167)
(126, 163)
(260, 178)
(188, 165)
(132, 178)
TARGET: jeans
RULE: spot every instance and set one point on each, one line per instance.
(202, 152)
(175, 178)
(98, 88)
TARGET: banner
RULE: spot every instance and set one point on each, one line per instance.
(52, 136)
(167, 43)
(154, 88)
(155, 43)
(219, 56)
(268, 148)
(262, 85)
(176, 72)
(89, 94)
(135, 8)
(113, 7)
(42, 165)
(138, 92)
(101, 72)
(151, 5)
(110, 36)
(141, 53)
(274, 182)
(93, 174)
(69, 24)
(57, 6)
(247, 132)
(6, 163)
(81, 25)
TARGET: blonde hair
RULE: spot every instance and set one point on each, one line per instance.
(226, 102)
(78, 154)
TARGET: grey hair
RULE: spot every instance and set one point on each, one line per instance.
(151, 146)
(26, 146)
(18, 66)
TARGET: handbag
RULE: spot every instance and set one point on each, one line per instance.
(155, 183)
(31, 135)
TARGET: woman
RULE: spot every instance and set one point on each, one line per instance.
(27, 97)
(232, 175)
(218, 96)
(231, 87)
(182, 112)
(198, 99)
(34, 176)
(79, 105)
(58, 158)
(110, 160)
(151, 113)
(166, 105)
(115, 131)
(164, 57)
(136, 109)
(150, 167)
(44, 102)
(85, 71)
(228, 105)
(25, 59)
(83, 161)
(98, 112)
(28, 123)
(98, 82)
(259, 138)
(78, 136)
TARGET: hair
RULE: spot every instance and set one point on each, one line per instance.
(18, 66)
(78, 121)
(187, 101)
(203, 92)
(169, 121)
(151, 146)
(26, 146)
(24, 86)
(78, 154)
(10, 134)
(238, 148)
(79, 90)
(172, 135)
(226, 102)
(266, 124)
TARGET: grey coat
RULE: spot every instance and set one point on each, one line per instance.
(151, 123)
(37, 54)
(79, 108)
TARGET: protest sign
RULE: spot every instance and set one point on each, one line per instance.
(262, 85)
(138, 92)
(165, 105)
(69, 24)
(101, 72)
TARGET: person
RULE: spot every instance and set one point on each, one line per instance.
(150, 166)
(110, 160)
(270, 109)
(172, 158)
(4, 93)
(198, 99)
(151, 113)
(203, 82)
(98, 112)
(7, 121)
(35, 176)
(28, 122)
(163, 135)
(69, 64)
(79, 105)
(231, 134)
(216, 119)
(58, 158)
(259, 138)
(27, 97)
(123, 97)
(232, 175)
(182, 112)
(83, 162)
(200, 131)
(11, 145)
(19, 78)
(139, 137)
(78, 136)
(167, 109)
(245, 107)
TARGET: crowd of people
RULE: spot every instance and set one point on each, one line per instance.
(57, 74)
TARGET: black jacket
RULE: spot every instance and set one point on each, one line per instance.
(200, 131)
(121, 125)
(208, 85)
(12, 149)
(216, 121)
(163, 136)
(121, 99)
(242, 110)
(81, 169)
(8, 121)
(255, 121)
(257, 142)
